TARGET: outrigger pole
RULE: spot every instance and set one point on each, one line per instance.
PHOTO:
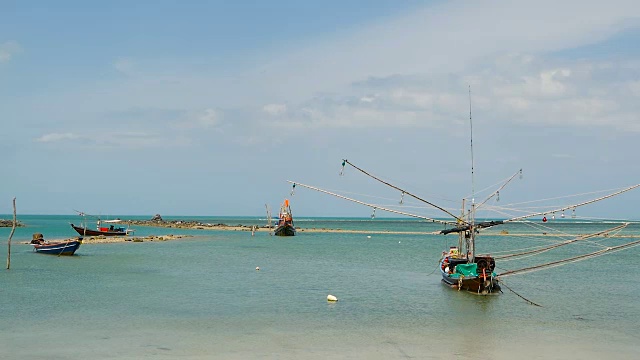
(554, 246)
(570, 260)
(404, 191)
(497, 192)
(373, 205)
(572, 206)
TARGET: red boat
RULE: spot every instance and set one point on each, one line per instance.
(109, 230)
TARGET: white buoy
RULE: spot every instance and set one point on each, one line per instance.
(368, 236)
(331, 298)
(257, 268)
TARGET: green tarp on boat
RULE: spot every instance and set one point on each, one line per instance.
(467, 269)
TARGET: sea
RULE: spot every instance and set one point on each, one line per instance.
(203, 297)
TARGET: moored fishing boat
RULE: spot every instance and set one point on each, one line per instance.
(477, 277)
(66, 247)
(284, 224)
(109, 230)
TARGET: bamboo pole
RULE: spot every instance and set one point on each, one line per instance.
(13, 229)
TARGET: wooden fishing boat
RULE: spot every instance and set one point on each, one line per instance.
(284, 224)
(461, 267)
(66, 247)
(109, 230)
(478, 277)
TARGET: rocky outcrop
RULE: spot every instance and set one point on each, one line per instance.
(9, 223)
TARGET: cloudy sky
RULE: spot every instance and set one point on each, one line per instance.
(208, 108)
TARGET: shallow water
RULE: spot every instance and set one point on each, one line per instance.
(201, 297)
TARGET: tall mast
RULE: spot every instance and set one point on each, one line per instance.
(471, 249)
(461, 233)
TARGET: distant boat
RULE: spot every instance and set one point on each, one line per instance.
(111, 230)
(67, 247)
(284, 225)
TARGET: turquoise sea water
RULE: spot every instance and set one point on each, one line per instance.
(201, 297)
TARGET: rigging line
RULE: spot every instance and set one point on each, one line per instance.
(395, 205)
(500, 188)
(533, 237)
(518, 209)
(579, 238)
(563, 235)
(498, 253)
(520, 296)
(552, 264)
(489, 187)
(382, 198)
(538, 227)
(404, 191)
(374, 206)
(486, 188)
(434, 270)
(542, 227)
(564, 197)
(574, 206)
(594, 219)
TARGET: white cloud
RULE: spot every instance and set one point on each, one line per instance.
(210, 118)
(449, 37)
(109, 138)
(8, 50)
(408, 71)
(275, 109)
(537, 92)
(57, 137)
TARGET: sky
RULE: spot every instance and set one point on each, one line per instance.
(209, 107)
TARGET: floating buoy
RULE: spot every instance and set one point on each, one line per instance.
(368, 236)
(257, 268)
(331, 298)
(544, 219)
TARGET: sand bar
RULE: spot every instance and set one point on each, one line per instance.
(195, 225)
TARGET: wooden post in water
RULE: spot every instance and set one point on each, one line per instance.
(13, 229)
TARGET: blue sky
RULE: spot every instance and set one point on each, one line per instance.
(208, 107)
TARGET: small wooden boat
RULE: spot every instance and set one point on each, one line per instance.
(284, 225)
(66, 247)
(477, 277)
(102, 230)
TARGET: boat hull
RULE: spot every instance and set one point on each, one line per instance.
(58, 248)
(483, 285)
(88, 232)
(285, 230)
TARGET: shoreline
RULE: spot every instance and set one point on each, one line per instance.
(117, 239)
(194, 225)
